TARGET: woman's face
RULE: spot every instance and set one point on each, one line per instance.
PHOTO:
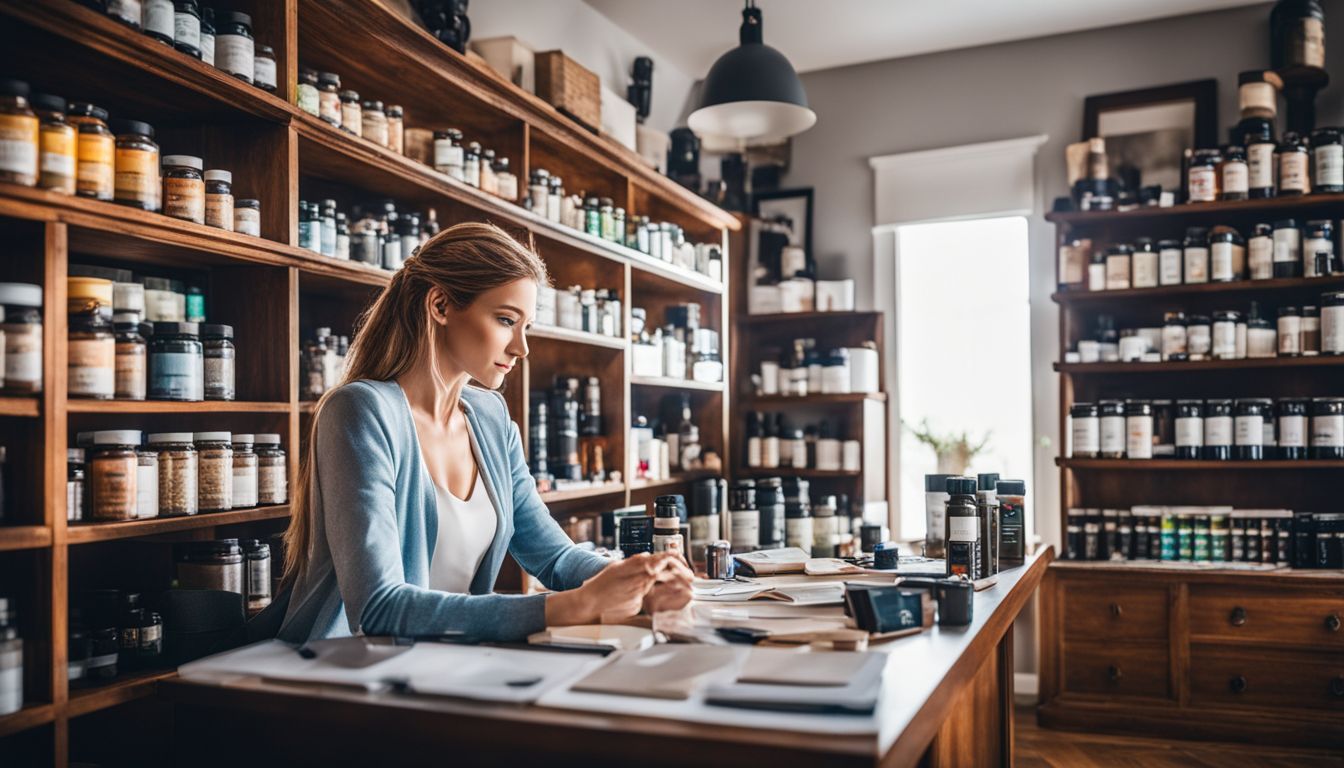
(489, 337)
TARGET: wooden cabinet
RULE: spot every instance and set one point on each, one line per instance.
(1241, 615)
(1117, 614)
(1117, 669)
(1259, 678)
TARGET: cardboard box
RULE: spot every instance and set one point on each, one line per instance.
(570, 88)
(511, 58)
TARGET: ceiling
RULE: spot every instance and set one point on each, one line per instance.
(691, 34)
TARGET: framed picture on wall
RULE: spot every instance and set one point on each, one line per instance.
(1147, 131)
(789, 208)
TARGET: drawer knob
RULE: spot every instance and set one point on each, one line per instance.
(1238, 616)
(1337, 687)
(1116, 611)
(1237, 684)
(1332, 622)
(1113, 673)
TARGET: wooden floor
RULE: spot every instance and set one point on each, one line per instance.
(1041, 748)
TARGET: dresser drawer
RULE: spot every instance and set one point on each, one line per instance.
(1105, 670)
(1104, 613)
(1222, 676)
(1271, 616)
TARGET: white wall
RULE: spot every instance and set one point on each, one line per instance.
(589, 38)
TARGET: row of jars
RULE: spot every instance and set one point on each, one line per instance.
(74, 149)
(1296, 165)
(121, 474)
(1185, 534)
(322, 360)
(225, 43)
(1285, 249)
(592, 310)
(1244, 429)
(320, 95)
(377, 234)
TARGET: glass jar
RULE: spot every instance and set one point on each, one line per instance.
(21, 323)
(176, 363)
(91, 369)
(1311, 331)
(1227, 255)
(1287, 249)
(342, 249)
(449, 157)
(208, 35)
(1327, 428)
(1297, 35)
(157, 19)
(396, 129)
(538, 190)
(57, 156)
(125, 11)
(1189, 429)
(1292, 428)
(506, 180)
(1261, 336)
(1202, 176)
(1289, 332)
(1224, 343)
(247, 217)
(184, 188)
(1143, 264)
(1234, 177)
(74, 484)
(177, 472)
(606, 215)
(1218, 430)
(489, 182)
(131, 362)
(305, 95)
(1195, 255)
(146, 483)
(257, 576)
(1318, 249)
(219, 203)
(113, 469)
(244, 472)
(1169, 258)
(235, 50)
(471, 164)
(1174, 337)
(187, 27)
(272, 471)
(95, 169)
(216, 565)
(219, 371)
(1258, 94)
(1085, 429)
(352, 118)
(1327, 167)
(214, 478)
(1261, 252)
(1139, 429)
(264, 69)
(1112, 418)
(1117, 266)
(329, 97)
(1249, 430)
(1198, 337)
(136, 177)
(373, 122)
(592, 217)
(1293, 161)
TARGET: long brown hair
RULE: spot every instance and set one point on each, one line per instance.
(395, 333)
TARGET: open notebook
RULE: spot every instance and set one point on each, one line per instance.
(804, 593)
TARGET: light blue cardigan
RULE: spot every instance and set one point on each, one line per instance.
(375, 523)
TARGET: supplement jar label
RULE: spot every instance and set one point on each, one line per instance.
(184, 199)
(137, 175)
(58, 153)
(1327, 431)
(1292, 431)
(92, 367)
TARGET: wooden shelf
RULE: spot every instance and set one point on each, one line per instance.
(30, 716)
(86, 532)
(661, 381)
(789, 318)
(1187, 290)
(1250, 363)
(25, 407)
(852, 397)
(555, 333)
(1152, 566)
(1305, 205)
(604, 489)
(819, 474)
(14, 537)
(1179, 465)
(127, 687)
(169, 406)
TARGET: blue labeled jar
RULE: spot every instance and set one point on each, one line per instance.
(176, 363)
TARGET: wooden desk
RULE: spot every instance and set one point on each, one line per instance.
(954, 692)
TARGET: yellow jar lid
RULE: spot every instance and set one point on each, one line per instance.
(84, 293)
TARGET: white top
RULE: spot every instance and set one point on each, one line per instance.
(466, 528)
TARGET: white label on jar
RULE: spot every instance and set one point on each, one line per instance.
(1249, 430)
(1235, 178)
(1197, 341)
(1293, 172)
(1262, 257)
(1173, 340)
(798, 532)
(1189, 431)
(1332, 330)
(1203, 184)
(1196, 265)
(1287, 244)
(1293, 431)
(208, 48)
(1117, 272)
(1218, 430)
(1290, 335)
(1086, 435)
(1139, 437)
(1260, 166)
(963, 528)
(1225, 340)
(1330, 165)
(18, 156)
(127, 10)
(263, 71)
(147, 490)
(1227, 258)
(245, 486)
(1096, 277)
(158, 17)
(1311, 247)
(58, 164)
(1112, 434)
(247, 221)
(746, 528)
(1267, 432)
(1260, 342)
(1145, 269)
(1169, 266)
(1327, 431)
(187, 30)
(234, 54)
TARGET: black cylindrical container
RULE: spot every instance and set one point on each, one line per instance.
(705, 496)
(1218, 429)
(1249, 430)
(770, 503)
(1327, 428)
(1189, 429)
(1292, 428)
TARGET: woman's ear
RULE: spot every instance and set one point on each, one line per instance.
(437, 307)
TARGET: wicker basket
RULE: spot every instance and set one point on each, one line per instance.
(570, 88)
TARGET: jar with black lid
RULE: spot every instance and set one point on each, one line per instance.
(373, 122)
(1293, 162)
(329, 97)
(1227, 255)
(187, 27)
(219, 353)
(1290, 332)
(1287, 249)
(1143, 264)
(1139, 429)
(235, 50)
(1118, 258)
(1169, 262)
(176, 363)
(1234, 182)
(1249, 430)
(1311, 331)
(57, 155)
(1318, 249)
(264, 68)
(1195, 254)
(1218, 429)
(1199, 337)
(1260, 252)
(769, 507)
(95, 169)
(1297, 34)
(1085, 428)
(306, 94)
(184, 187)
(1189, 429)
(158, 20)
(136, 174)
(1224, 341)
(352, 118)
(1292, 428)
(1327, 428)
(212, 565)
(1327, 167)
(1202, 176)
(1258, 136)
(1174, 337)
(1112, 417)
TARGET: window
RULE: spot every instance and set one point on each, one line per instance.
(963, 353)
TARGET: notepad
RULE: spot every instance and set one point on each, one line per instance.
(661, 672)
(769, 561)
(616, 636)
(822, 593)
(778, 666)
(857, 695)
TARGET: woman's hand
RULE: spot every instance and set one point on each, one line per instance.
(672, 590)
(617, 590)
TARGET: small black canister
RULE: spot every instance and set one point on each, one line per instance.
(1292, 428)
(770, 505)
(1249, 430)
(1327, 428)
(1218, 429)
(1189, 429)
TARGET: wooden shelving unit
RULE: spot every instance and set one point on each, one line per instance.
(1147, 647)
(274, 292)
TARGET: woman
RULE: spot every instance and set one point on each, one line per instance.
(416, 485)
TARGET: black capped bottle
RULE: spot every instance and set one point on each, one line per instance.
(963, 529)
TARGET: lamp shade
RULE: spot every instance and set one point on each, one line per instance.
(752, 92)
